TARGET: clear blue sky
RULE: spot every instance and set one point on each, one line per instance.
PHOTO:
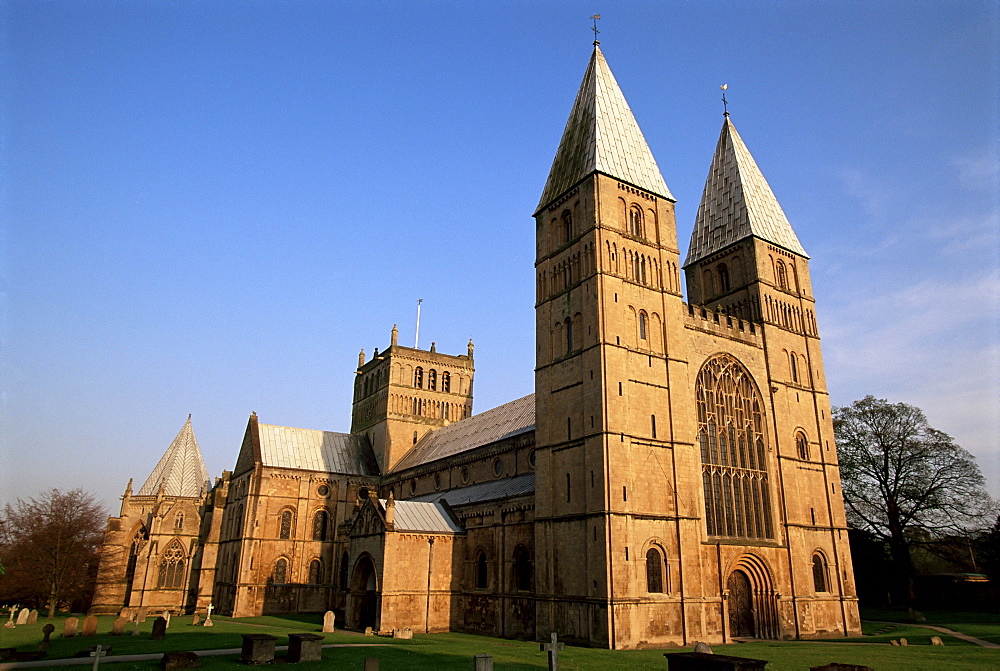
(210, 207)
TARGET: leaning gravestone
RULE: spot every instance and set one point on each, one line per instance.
(703, 647)
(159, 629)
(22, 617)
(69, 628)
(166, 616)
(118, 626)
(195, 620)
(936, 640)
(47, 632)
(33, 616)
(329, 619)
(89, 626)
(903, 642)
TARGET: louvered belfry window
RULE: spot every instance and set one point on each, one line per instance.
(731, 435)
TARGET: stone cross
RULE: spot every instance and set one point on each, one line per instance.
(10, 623)
(97, 654)
(552, 647)
(47, 631)
(208, 620)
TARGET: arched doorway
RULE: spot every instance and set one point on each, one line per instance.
(751, 602)
(363, 601)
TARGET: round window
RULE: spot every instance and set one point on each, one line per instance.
(531, 458)
(498, 467)
(323, 490)
(465, 473)
(437, 481)
(413, 485)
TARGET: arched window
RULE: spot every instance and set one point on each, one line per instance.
(321, 522)
(793, 365)
(522, 569)
(723, 277)
(446, 381)
(801, 445)
(418, 378)
(654, 571)
(432, 379)
(342, 578)
(172, 567)
(731, 435)
(635, 221)
(567, 226)
(315, 572)
(781, 274)
(642, 326)
(819, 573)
(708, 283)
(179, 521)
(482, 572)
(569, 335)
(280, 571)
(285, 527)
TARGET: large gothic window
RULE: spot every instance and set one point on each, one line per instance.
(731, 434)
(172, 567)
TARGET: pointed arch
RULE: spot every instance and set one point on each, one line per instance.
(172, 564)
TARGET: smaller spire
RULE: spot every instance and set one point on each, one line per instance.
(471, 348)
(361, 358)
(395, 335)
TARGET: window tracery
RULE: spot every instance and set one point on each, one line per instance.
(172, 567)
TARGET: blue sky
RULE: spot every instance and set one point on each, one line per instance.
(210, 207)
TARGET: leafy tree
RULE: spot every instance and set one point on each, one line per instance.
(904, 480)
(49, 546)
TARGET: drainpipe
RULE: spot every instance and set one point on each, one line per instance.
(427, 613)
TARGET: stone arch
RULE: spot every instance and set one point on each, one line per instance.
(363, 600)
(751, 601)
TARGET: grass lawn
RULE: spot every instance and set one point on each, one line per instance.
(979, 624)
(455, 651)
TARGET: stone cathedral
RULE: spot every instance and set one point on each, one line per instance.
(672, 479)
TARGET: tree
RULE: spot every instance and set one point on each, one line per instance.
(49, 547)
(904, 480)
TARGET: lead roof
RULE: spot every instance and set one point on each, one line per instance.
(181, 470)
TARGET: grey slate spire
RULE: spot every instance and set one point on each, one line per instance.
(181, 470)
(601, 135)
(737, 203)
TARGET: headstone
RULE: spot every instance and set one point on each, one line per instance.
(936, 640)
(159, 629)
(369, 632)
(180, 660)
(22, 617)
(135, 627)
(208, 620)
(402, 633)
(143, 613)
(305, 648)
(89, 626)
(33, 616)
(118, 626)
(894, 642)
(69, 627)
(258, 649)
(903, 642)
(482, 663)
(329, 619)
(703, 648)
(371, 664)
(196, 620)
(47, 632)
(552, 647)
(166, 616)
(97, 653)
(9, 624)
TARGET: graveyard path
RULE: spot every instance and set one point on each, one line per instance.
(950, 632)
(152, 657)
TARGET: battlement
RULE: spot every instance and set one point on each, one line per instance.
(719, 323)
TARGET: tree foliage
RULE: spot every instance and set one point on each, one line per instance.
(904, 480)
(49, 547)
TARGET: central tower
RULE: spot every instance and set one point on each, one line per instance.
(608, 304)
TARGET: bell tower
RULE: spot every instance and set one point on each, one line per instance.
(608, 311)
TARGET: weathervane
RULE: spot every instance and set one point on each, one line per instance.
(595, 17)
(725, 103)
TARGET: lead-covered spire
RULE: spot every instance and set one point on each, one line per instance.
(181, 470)
(737, 203)
(602, 135)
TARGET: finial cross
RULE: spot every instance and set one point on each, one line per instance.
(725, 103)
(595, 17)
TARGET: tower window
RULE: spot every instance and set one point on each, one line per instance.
(432, 380)
(635, 221)
(315, 572)
(652, 423)
(567, 226)
(642, 326)
(482, 571)
(654, 571)
(801, 445)
(446, 381)
(418, 378)
(285, 526)
(321, 522)
(793, 365)
(819, 573)
(280, 571)
(522, 569)
(569, 335)
(179, 521)
(343, 571)
(723, 277)
(781, 274)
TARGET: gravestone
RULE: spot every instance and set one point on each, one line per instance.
(159, 629)
(903, 642)
(894, 642)
(482, 663)
(33, 616)
(369, 632)
(195, 620)
(89, 626)
(9, 624)
(703, 647)
(135, 627)
(371, 664)
(936, 640)
(402, 633)
(47, 632)
(180, 660)
(552, 647)
(258, 649)
(118, 626)
(329, 619)
(208, 620)
(22, 617)
(305, 648)
(97, 653)
(69, 627)
(166, 616)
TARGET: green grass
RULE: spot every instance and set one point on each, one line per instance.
(455, 651)
(984, 625)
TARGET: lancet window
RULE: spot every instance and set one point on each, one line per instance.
(172, 567)
(281, 571)
(731, 435)
(432, 380)
(446, 381)
(321, 524)
(635, 221)
(801, 445)
(522, 568)
(315, 572)
(819, 573)
(285, 525)
(482, 572)
(418, 378)
(654, 571)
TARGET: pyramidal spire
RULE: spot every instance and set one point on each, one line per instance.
(602, 135)
(181, 470)
(737, 203)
